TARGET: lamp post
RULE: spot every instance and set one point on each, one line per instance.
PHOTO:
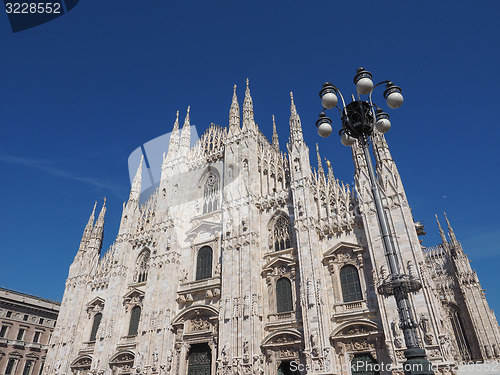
(360, 119)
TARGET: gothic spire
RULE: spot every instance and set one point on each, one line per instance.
(248, 115)
(321, 172)
(451, 233)
(234, 112)
(186, 135)
(97, 233)
(88, 229)
(276, 142)
(295, 125)
(135, 191)
(99, 225)
(441, 231)
(173, 146)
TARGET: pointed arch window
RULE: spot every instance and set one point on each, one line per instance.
(211, 193)
(349, 281)
(135, 317)
(284, 295)
(141, 274)
(281, 234)
(95, 326)
(204, 263)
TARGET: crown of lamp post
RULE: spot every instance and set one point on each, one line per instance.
(360, 118)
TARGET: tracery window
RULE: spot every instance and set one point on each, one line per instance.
(204, 263)
(95, 326)
(141, 274)
(211, 194)
(349, 281)
(281, 234)
(284, 295)
(135, 317)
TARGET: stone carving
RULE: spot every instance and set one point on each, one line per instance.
(224, 354)
(246, 355)
(183, 277)
(396, 332)
(311, 298)
(200, 323)
(424, 325)
(246, 306)
(258, 365)
(236, 307)
(315, 343)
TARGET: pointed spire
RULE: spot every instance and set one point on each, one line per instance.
(320, 164)
(234, 112)
(451, 233)
(90, 223)
(276, 142)
(295, 125)
(441, 231)
(100, 219)
(173, 145)
(98, 231)
(87, 232)
(248, 115)
(186, 135)
(135, 191)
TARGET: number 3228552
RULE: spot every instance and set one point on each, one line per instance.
(27, 8)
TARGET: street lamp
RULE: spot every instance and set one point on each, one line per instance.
(360, 119)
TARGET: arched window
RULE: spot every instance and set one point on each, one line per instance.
(141, 272)
(95, 326)
(349, 280)
(281, 234)
(211, 193)
(283, 295)
(135, 316)
(204, 263)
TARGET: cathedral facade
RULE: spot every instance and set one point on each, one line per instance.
(245, 260)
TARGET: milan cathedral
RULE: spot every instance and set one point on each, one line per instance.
(246, 260)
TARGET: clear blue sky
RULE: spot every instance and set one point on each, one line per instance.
(80, 93)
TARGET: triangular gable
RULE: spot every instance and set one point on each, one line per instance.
(276, 262)
(342, 247)
(96, 301)
(134, 292)
(204, 226)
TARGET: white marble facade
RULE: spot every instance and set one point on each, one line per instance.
(281, 236)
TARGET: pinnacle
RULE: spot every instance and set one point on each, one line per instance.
(176, 123)
(320, 165)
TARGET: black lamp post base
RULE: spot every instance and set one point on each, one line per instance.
(417, 362)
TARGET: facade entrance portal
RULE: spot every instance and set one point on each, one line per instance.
(200, 360)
